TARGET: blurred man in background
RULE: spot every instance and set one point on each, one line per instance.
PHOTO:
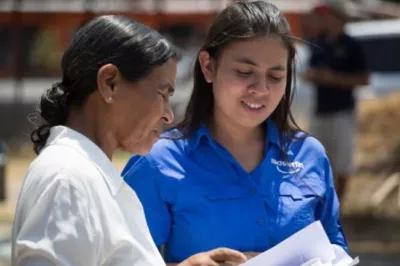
(337, 66)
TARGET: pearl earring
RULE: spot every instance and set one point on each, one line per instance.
(109, 100)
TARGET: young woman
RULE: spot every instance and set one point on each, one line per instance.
(74, 207)
(237, 172)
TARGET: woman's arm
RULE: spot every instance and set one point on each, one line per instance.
(328, 210)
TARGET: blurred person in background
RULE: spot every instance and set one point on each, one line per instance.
(337, 66)
(237, 172)
(74, 207)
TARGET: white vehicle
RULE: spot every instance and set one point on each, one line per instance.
(381, 41)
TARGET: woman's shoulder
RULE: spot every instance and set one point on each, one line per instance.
(308, 144)
(48, 173)
(59, 164)
(55, 159)
(308, 155)
(295, 141)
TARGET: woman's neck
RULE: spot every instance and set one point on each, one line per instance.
(230, 135)
(246, 145)
(84, 122)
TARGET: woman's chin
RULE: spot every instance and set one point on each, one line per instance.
(143, 146)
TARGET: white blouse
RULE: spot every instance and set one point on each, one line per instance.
(75, 209)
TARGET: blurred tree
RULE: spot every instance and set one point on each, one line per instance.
(47, 49)
(393, 1)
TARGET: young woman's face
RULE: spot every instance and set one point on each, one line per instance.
(249, 80)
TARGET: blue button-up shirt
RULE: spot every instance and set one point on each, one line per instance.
(197, 197)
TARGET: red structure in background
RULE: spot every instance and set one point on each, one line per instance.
(34, 33)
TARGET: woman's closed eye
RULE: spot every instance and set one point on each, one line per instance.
(243, 73)
(276, 78)
(165, 95)
(166, 91)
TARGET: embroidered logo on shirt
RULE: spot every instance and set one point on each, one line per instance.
(287, 167)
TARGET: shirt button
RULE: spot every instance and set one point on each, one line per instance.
(260, 222)
(252, 191)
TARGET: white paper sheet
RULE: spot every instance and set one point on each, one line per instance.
(309, 243)
(342, 258)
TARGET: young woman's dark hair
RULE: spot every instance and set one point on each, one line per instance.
(135, 49)
(242, 21)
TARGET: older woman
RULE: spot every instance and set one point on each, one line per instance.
(74, 207)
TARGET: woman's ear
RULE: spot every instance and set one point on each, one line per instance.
(208, 66)
(106, 79)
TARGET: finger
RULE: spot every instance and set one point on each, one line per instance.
(250, 255)
(226, 254)
(211, 263)
(201, 259)
(229, 264)
(208, 262)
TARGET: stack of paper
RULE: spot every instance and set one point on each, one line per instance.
(308, 247)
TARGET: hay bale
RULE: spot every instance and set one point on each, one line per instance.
(378, 142)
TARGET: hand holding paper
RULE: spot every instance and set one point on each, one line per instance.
(308, 247)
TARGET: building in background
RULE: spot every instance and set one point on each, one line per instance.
(34, 34)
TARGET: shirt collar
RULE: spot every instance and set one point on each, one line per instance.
(64, 136)
(201, 134)
(204, 134)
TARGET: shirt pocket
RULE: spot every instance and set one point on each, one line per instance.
(206, 203)
(292, 209)
(229, 216)
(213, 218)
(228, 203)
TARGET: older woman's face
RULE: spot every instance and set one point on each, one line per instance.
(140, 110)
